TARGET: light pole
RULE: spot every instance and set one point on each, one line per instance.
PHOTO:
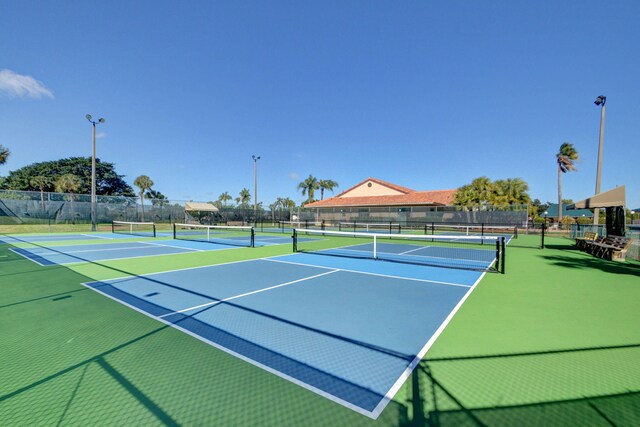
(600, 102)
(93, 170)
(255, 187)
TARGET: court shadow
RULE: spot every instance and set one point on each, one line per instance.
(136, 371)
(585, 386)
(581, 260)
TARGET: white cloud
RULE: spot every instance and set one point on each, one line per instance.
(294, 176)
(16, 85)
(101, 135)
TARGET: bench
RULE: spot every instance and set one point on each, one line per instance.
(589, 236)
(613, 248)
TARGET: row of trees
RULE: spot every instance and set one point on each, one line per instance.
(514, 191)
(73, 175)
(308, 187)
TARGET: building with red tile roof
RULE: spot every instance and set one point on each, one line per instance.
(375, 193)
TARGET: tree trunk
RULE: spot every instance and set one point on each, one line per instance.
(559, 196)
(142, 205)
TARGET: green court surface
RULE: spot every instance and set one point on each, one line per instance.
(554, 341)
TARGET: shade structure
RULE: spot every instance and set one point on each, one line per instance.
(199, 207)
(611, 198)
(552, 211)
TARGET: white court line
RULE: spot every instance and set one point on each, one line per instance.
(370, 274)
(251, 293)
(242, 357)
(413, 250)
(175, 270)
(171, 246)
(407, 372)
(28, 257)
(54, 252)
(97, 237)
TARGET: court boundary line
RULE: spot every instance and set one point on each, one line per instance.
(388, 397)
(370, 274)
(246, 359)
(212, 303)
(115, 249)
(14, 250)
(116, 259)
(98, 237)
(384, 401)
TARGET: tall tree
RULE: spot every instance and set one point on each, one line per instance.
(108, 182)
(566, 157)
(4, 154)
(308, 187)
(483, 191)
(42, 183)
(326, 184)
(244, 198)
(224, 198)
(156, 197)
(511, 191)
(68, 183)
(144, 183)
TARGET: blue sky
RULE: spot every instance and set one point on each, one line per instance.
(424, 94)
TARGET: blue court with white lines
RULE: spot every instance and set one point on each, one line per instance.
(351, 330)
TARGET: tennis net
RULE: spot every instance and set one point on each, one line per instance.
(482, 253)
(383, 227)
(146, 229)
(473, 230)
(226, 235)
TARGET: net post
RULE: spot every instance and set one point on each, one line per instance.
(503, 251)
(322, 225)
(113, 227)
(154, 229)
(375, 247)
(174, 231)
(295, 240)
(253, 238)
(482, 229)
(542, 233)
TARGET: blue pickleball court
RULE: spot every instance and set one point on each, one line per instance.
(351, 330)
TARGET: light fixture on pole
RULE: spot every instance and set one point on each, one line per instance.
(93, 170)
(600, 102)
(255, 187)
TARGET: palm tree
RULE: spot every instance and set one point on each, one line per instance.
(144, 183)
(565, 158)
(40, 182)
(326, 184)
(511, 191)
(4, 154)
(243, 199)
(68, 183)
(157, 198)
(308, 187)
(224, 198)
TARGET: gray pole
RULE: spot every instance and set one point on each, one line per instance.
(93, 171)
(255, 188)
(601, 100)
(93, 177)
